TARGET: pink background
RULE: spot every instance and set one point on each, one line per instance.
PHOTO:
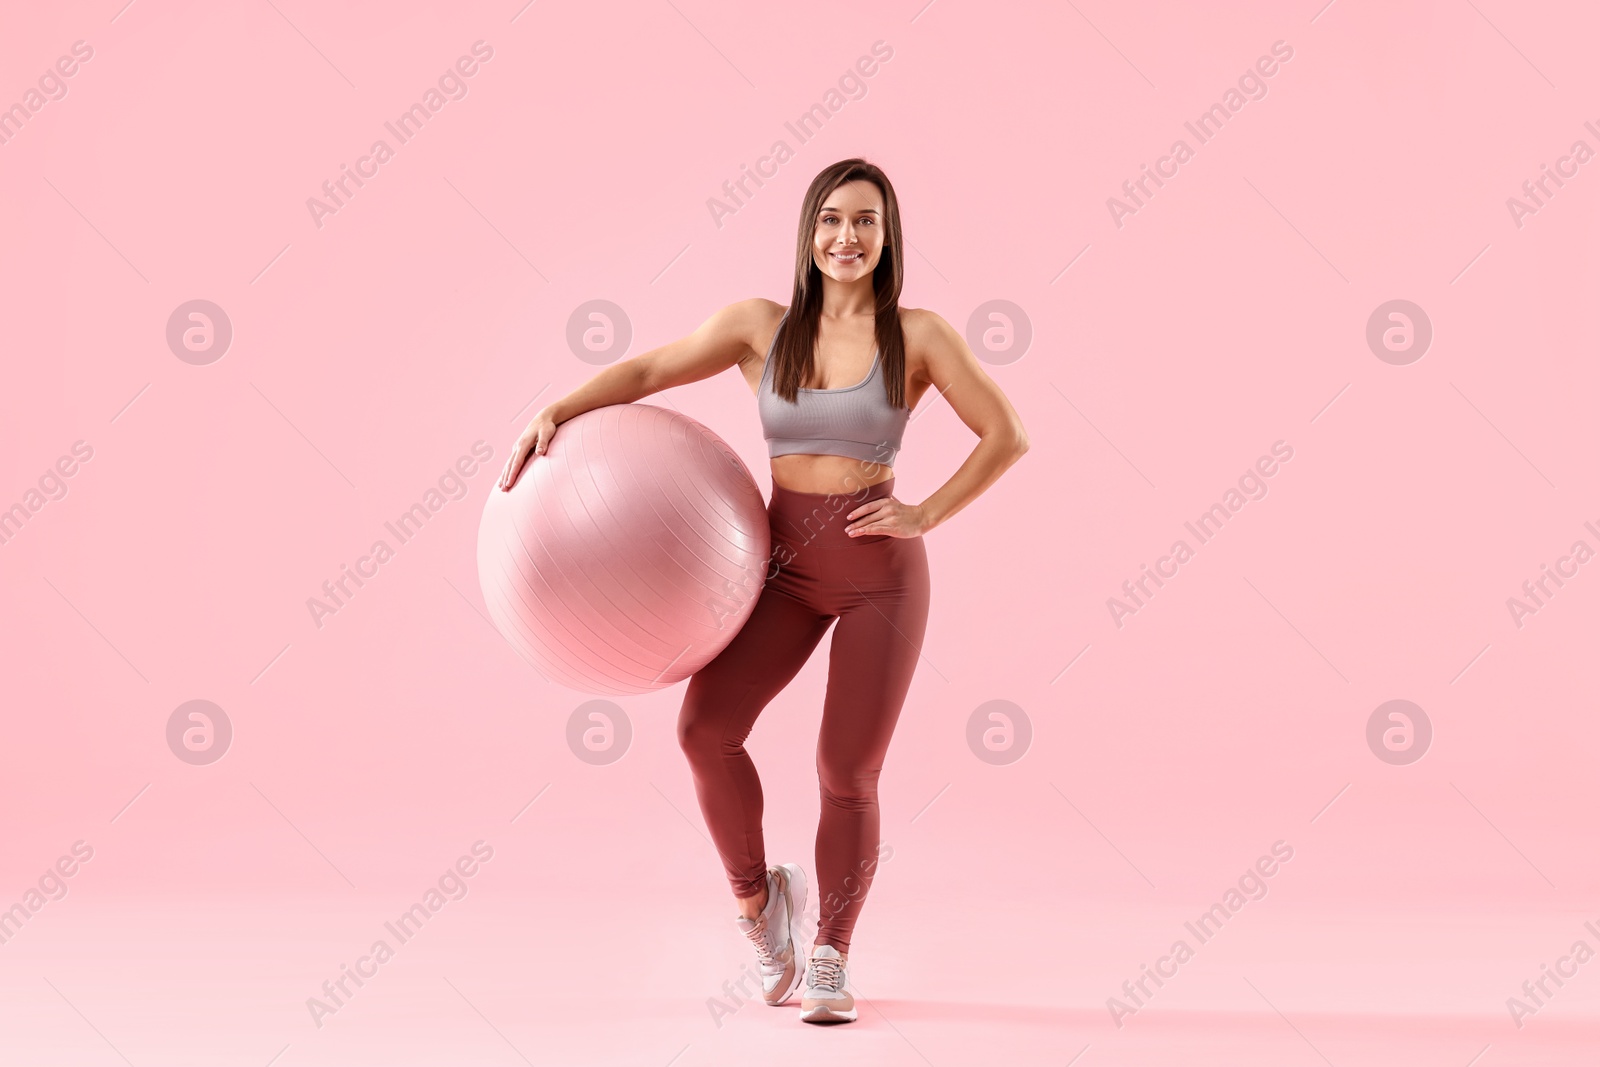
(1167, 354)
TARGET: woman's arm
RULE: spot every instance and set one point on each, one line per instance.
(722, 341)
(954, 371)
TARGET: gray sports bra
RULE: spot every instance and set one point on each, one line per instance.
(854, 421)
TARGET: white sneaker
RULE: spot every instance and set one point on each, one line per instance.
(826, 1000)
(773, 932)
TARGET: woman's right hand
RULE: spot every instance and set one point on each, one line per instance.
(535, 439)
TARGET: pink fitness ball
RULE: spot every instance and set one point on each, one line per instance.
(627, 556)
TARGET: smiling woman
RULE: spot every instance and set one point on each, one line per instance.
(835, 374)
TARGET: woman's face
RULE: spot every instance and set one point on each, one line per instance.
(849, 234)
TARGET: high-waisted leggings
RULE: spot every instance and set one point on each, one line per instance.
(876, 586)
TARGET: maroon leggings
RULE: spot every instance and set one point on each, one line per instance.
(877, 587)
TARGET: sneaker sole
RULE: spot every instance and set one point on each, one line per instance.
(795, 901)
(824, 1014)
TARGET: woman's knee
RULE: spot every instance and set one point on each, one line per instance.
(697, 734)
(703, 727)
(848, 781)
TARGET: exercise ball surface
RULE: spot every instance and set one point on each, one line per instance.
(628, 555)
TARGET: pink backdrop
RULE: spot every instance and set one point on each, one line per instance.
(181, 501)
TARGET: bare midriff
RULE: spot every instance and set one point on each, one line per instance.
(805, 473)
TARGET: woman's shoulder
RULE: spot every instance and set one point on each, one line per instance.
(754, 322)
(756, 309)
(756, 319)
(928, 339)
(749, 323)
(920, 324)
(920, 328)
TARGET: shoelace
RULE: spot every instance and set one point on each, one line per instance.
(761, 937)
(826, 973)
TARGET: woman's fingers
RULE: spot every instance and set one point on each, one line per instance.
(535, 441)
(881, 516)
(869, 507)
(519, 451)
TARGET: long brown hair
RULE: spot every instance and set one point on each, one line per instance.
(797, 335)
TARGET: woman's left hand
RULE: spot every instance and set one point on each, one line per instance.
(886, 517)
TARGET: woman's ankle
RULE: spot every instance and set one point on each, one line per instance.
(750, 907)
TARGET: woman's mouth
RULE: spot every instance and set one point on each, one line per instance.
(846, 257)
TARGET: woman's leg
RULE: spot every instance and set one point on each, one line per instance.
(719, 708)
(883, 615)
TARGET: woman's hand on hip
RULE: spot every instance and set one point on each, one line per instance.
(886, 517)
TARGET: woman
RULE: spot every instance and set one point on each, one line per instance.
(843, 547)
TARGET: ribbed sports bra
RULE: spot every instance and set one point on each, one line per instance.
(854, 421)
